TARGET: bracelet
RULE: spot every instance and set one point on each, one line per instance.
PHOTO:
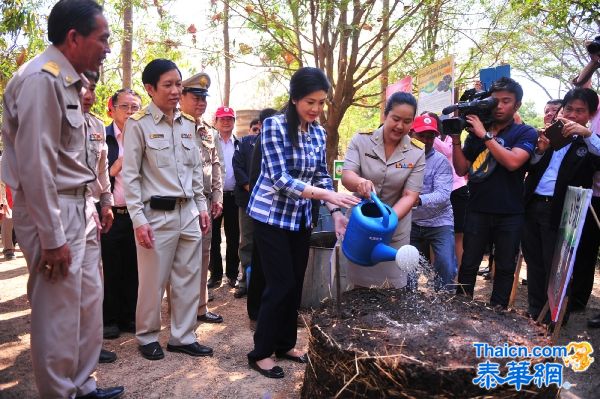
(334, 210)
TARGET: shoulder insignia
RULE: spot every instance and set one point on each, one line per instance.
(371, 132)
(188, 117)
(417, 143)
(52, 68)
(138, 115)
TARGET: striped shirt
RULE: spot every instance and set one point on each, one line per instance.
(284, 173)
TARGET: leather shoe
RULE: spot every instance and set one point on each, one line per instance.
(107, 356)
(152, 351)
(213, 282)
(108, 393)
(194, 349)
(594, 322)
(210, 317)
(298, 359)
(275, 372)
(111, 331)
(232, 282)
(240, 292)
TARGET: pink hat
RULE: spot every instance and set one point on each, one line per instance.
(223, 112)
(424, 123)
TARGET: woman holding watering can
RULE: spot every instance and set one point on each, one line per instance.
(392, 165)
(293, 172)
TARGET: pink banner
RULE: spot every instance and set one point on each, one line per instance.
(405, 85)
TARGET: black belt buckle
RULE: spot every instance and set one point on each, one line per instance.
(162, 203)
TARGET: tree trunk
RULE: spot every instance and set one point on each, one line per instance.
(385, 56)
(226, 51)
(127, 43)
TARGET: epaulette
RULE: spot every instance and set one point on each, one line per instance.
(188, 117)
(417, 143)
(95, 116)
(52, 68)
(365, 132)
(207, 125)
(138, 115)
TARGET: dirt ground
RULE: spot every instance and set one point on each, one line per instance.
(226, 375)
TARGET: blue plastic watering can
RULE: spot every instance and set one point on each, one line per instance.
(370, 230)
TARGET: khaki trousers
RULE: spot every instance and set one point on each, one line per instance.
(66, 316)
(206, 240)
(175, 255)
(7, 236)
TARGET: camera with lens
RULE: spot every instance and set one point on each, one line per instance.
(593, 47)
(476, 103)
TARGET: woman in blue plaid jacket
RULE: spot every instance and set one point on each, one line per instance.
(293, 172)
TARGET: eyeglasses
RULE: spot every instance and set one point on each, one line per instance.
(128, 107)
(255, 129)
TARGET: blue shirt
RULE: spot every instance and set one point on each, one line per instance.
(285, 171)
(435, 209)
(548, 180)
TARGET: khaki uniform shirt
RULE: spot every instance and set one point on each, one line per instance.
(45, 140)
(97, 158)
(404, 170)
(211, 163)
(160, 159)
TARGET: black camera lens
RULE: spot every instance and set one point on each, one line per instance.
(594, 46)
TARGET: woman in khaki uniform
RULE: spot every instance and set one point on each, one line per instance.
(388, 162)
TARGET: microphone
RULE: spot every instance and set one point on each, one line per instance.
(450, 109)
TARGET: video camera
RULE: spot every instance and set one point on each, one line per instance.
(477, 103)
(593, 47)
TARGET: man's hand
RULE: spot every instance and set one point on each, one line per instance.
(106, 218)
(542, 144)
(54, 263)
(340, 222)
(571, 128)
(477, 127)
(215, 209)
(116, 167)
(145, 236)
(205, 222)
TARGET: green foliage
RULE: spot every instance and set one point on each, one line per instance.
(529, 116)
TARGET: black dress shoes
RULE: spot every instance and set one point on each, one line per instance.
(111, 331)
(213, 282)
(152, 351)
(210, 317)
(594, 322)
(298, 359)
(108, 393)
(107, 356)
(275, 372)
(194, 349)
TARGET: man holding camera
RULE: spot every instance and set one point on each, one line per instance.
(494, 157)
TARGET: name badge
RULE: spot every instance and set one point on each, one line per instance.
(95, 137)
(371, 155)
(157, 136)
(404, 165)
(186, 135)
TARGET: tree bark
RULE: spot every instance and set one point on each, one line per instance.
(385, 56)
(226, 51)
(127, 48)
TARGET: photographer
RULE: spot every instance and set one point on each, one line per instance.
(494, 158)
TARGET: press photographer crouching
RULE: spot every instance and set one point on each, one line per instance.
(494, 156)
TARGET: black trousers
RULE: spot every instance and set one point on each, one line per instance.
(284, 256)
(504, 231)
(229, 218)
(256, 285)
(585, 260)
(538, 243)
(119, 262)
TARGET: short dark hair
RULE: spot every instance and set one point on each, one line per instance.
(92, 76)
(398, 98)
(555, 101)
(115, 97)
(509, 85)
(588, 96)
(154, 70)
(254, 122)
(266, 113)
(303, 82)
(72, 14)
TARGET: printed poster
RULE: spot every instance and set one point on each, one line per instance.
(436, 86)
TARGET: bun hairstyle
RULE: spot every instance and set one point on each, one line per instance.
(303, 82)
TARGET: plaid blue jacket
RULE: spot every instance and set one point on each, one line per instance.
(284, 173)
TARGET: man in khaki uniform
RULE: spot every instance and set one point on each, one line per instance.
(44, 135)
(162, 175)
(403, 170)
(193, 102)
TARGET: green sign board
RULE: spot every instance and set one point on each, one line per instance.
(338, 165)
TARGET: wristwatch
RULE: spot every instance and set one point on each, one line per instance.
(488, 136)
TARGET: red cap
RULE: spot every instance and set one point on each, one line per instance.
(424, 123)
(223, 112)
(109, 103)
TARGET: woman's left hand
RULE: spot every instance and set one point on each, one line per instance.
(571, 128)
(340, 222)
(342, 199)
